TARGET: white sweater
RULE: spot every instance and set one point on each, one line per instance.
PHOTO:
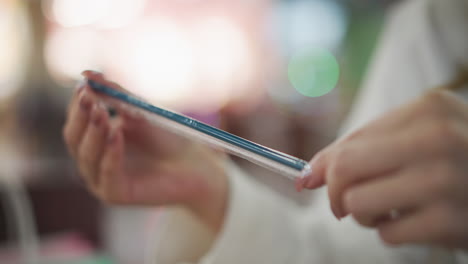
(262, 226)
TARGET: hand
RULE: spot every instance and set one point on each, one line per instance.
(405, 174)
(126, 160)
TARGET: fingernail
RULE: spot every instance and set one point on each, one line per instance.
(336, 212)
(85, 102)
(339, 213)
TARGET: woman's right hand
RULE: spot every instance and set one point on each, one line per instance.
(126, 160)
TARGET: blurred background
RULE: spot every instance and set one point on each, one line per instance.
(227, 63)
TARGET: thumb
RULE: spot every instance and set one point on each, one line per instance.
(316, 178)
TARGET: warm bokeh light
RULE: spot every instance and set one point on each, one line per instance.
(158, 59)
(72, 13)
(13, 47)
(120, 13)
(166, 58)
(107, 14)
(225, 59)
(68, 52)
(223, 50)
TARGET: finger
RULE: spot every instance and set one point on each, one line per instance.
(92, 145)
(371, 221)
(436, 224)
(371, 201)
(361, 160)
(118, 107)
(99, 77)
(392, 121)
(405, 189)
(316, 177)
(80, 87)
(77, 122)
(115, 186)
(322, 160)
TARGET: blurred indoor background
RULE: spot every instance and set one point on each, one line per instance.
(222, 61)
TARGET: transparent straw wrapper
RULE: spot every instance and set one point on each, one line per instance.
(284, 164)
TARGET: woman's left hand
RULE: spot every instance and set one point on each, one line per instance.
(405, 174)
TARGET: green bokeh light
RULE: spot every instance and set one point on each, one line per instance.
(314, 72)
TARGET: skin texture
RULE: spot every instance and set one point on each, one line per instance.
(405, 174)
(125, 160)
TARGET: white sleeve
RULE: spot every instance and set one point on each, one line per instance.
(409, 61)
(461, 257)
(264, 227)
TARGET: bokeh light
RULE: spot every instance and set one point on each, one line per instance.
(302, 24)
(106, 14)
(72, 13)
(159, 61)
(68, 52)
(121, 13)
(313, 72)
(13, 48)
(224, 59)
(305, 32)
(155, 49)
